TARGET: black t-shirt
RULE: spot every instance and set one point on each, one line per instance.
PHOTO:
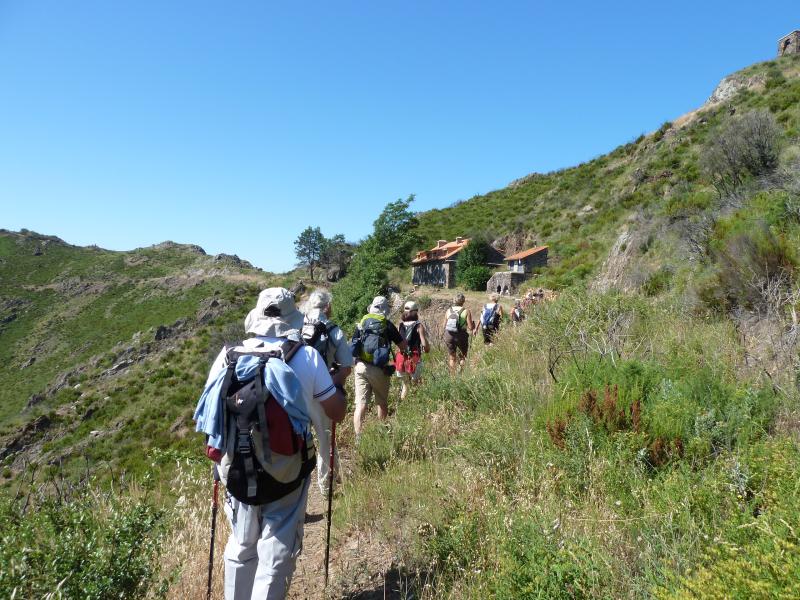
(392, 333)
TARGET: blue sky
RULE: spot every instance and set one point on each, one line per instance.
(234, 125)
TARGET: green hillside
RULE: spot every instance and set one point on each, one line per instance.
(88, 340)
(578, 211)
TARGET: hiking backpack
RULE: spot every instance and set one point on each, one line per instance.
(490, 319)
(411, 335)
(371, 340)
(264, 458)
(453, 323)
(318, 335)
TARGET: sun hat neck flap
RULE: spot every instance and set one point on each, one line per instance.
(290, 319)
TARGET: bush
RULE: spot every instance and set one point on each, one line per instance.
(474, 278)
(748, 146)
(755, 270)
(658, 281)
(471, 270)
(85, 547)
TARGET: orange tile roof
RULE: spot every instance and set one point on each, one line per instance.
(443, 252)
(526, 253)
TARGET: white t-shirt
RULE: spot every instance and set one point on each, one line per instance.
(310, 369)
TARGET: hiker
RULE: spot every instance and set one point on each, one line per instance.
(458, 325)
(408, 363)
(491, 315)
(329, 340)
(270, 467)
(371, 347)
(517, 314)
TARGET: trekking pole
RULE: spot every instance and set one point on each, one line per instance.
(213, 532)
(330, 500)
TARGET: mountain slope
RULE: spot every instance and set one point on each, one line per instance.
(578, 211)
(82, 330)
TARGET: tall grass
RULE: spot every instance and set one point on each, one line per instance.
(531, 477)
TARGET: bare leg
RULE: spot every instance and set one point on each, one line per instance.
(383, 412)
(358, 417)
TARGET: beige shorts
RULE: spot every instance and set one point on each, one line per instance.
(371, 381)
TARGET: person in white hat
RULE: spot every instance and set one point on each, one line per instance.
(375, 334)
(266, 539)
(408, 363)
(329, 340)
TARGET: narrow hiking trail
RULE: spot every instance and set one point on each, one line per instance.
(361, 568)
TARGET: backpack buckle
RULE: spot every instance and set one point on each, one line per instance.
(243, 444)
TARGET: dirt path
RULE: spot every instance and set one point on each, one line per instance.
(361, 568)
(309, 576)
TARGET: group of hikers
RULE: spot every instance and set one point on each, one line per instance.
(265, 394)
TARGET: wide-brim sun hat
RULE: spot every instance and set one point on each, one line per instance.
(290, 319)
(380, 305)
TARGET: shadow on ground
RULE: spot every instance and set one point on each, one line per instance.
(397, 584)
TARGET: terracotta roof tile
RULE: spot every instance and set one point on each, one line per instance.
(443, 252)
(526, 253)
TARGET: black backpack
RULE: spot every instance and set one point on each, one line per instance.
(411, 335)
(318, 335)
(264, 458)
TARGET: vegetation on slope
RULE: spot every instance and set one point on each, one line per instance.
(644, 461)
(578, 211)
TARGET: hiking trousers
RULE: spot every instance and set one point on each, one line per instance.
(371, 381)
(264, 544)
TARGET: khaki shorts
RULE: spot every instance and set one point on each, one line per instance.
(371, 381)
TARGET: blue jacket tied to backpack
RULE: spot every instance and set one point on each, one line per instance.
(279, 379)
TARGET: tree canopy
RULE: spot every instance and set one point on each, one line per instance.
(308, 249)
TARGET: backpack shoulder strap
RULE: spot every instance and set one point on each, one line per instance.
(408, 332)
(289, 349)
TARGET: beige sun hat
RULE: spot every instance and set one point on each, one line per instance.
(380, 305)
(410, 305)
(290, 318)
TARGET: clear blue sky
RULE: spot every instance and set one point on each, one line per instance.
(234, 125)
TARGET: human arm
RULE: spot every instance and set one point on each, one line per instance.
(423, 338)
(394, 336)
(335, 406)
(330, 397)
(343, 357)
(471, 326)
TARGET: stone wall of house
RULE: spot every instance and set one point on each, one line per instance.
(789, 44)
(436, 273)
(505, 282)
(537, 260)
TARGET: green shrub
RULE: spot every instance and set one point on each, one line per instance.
(658, 281)
(86, 547)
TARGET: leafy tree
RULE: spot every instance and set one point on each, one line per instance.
(471, 270)
(308, 249)
(390, 244)
(395, 231)
(336, 253)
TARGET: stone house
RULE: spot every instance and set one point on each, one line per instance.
(520, 268)
(437, 266)
(789, 44)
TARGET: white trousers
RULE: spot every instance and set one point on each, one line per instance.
(264, 544)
